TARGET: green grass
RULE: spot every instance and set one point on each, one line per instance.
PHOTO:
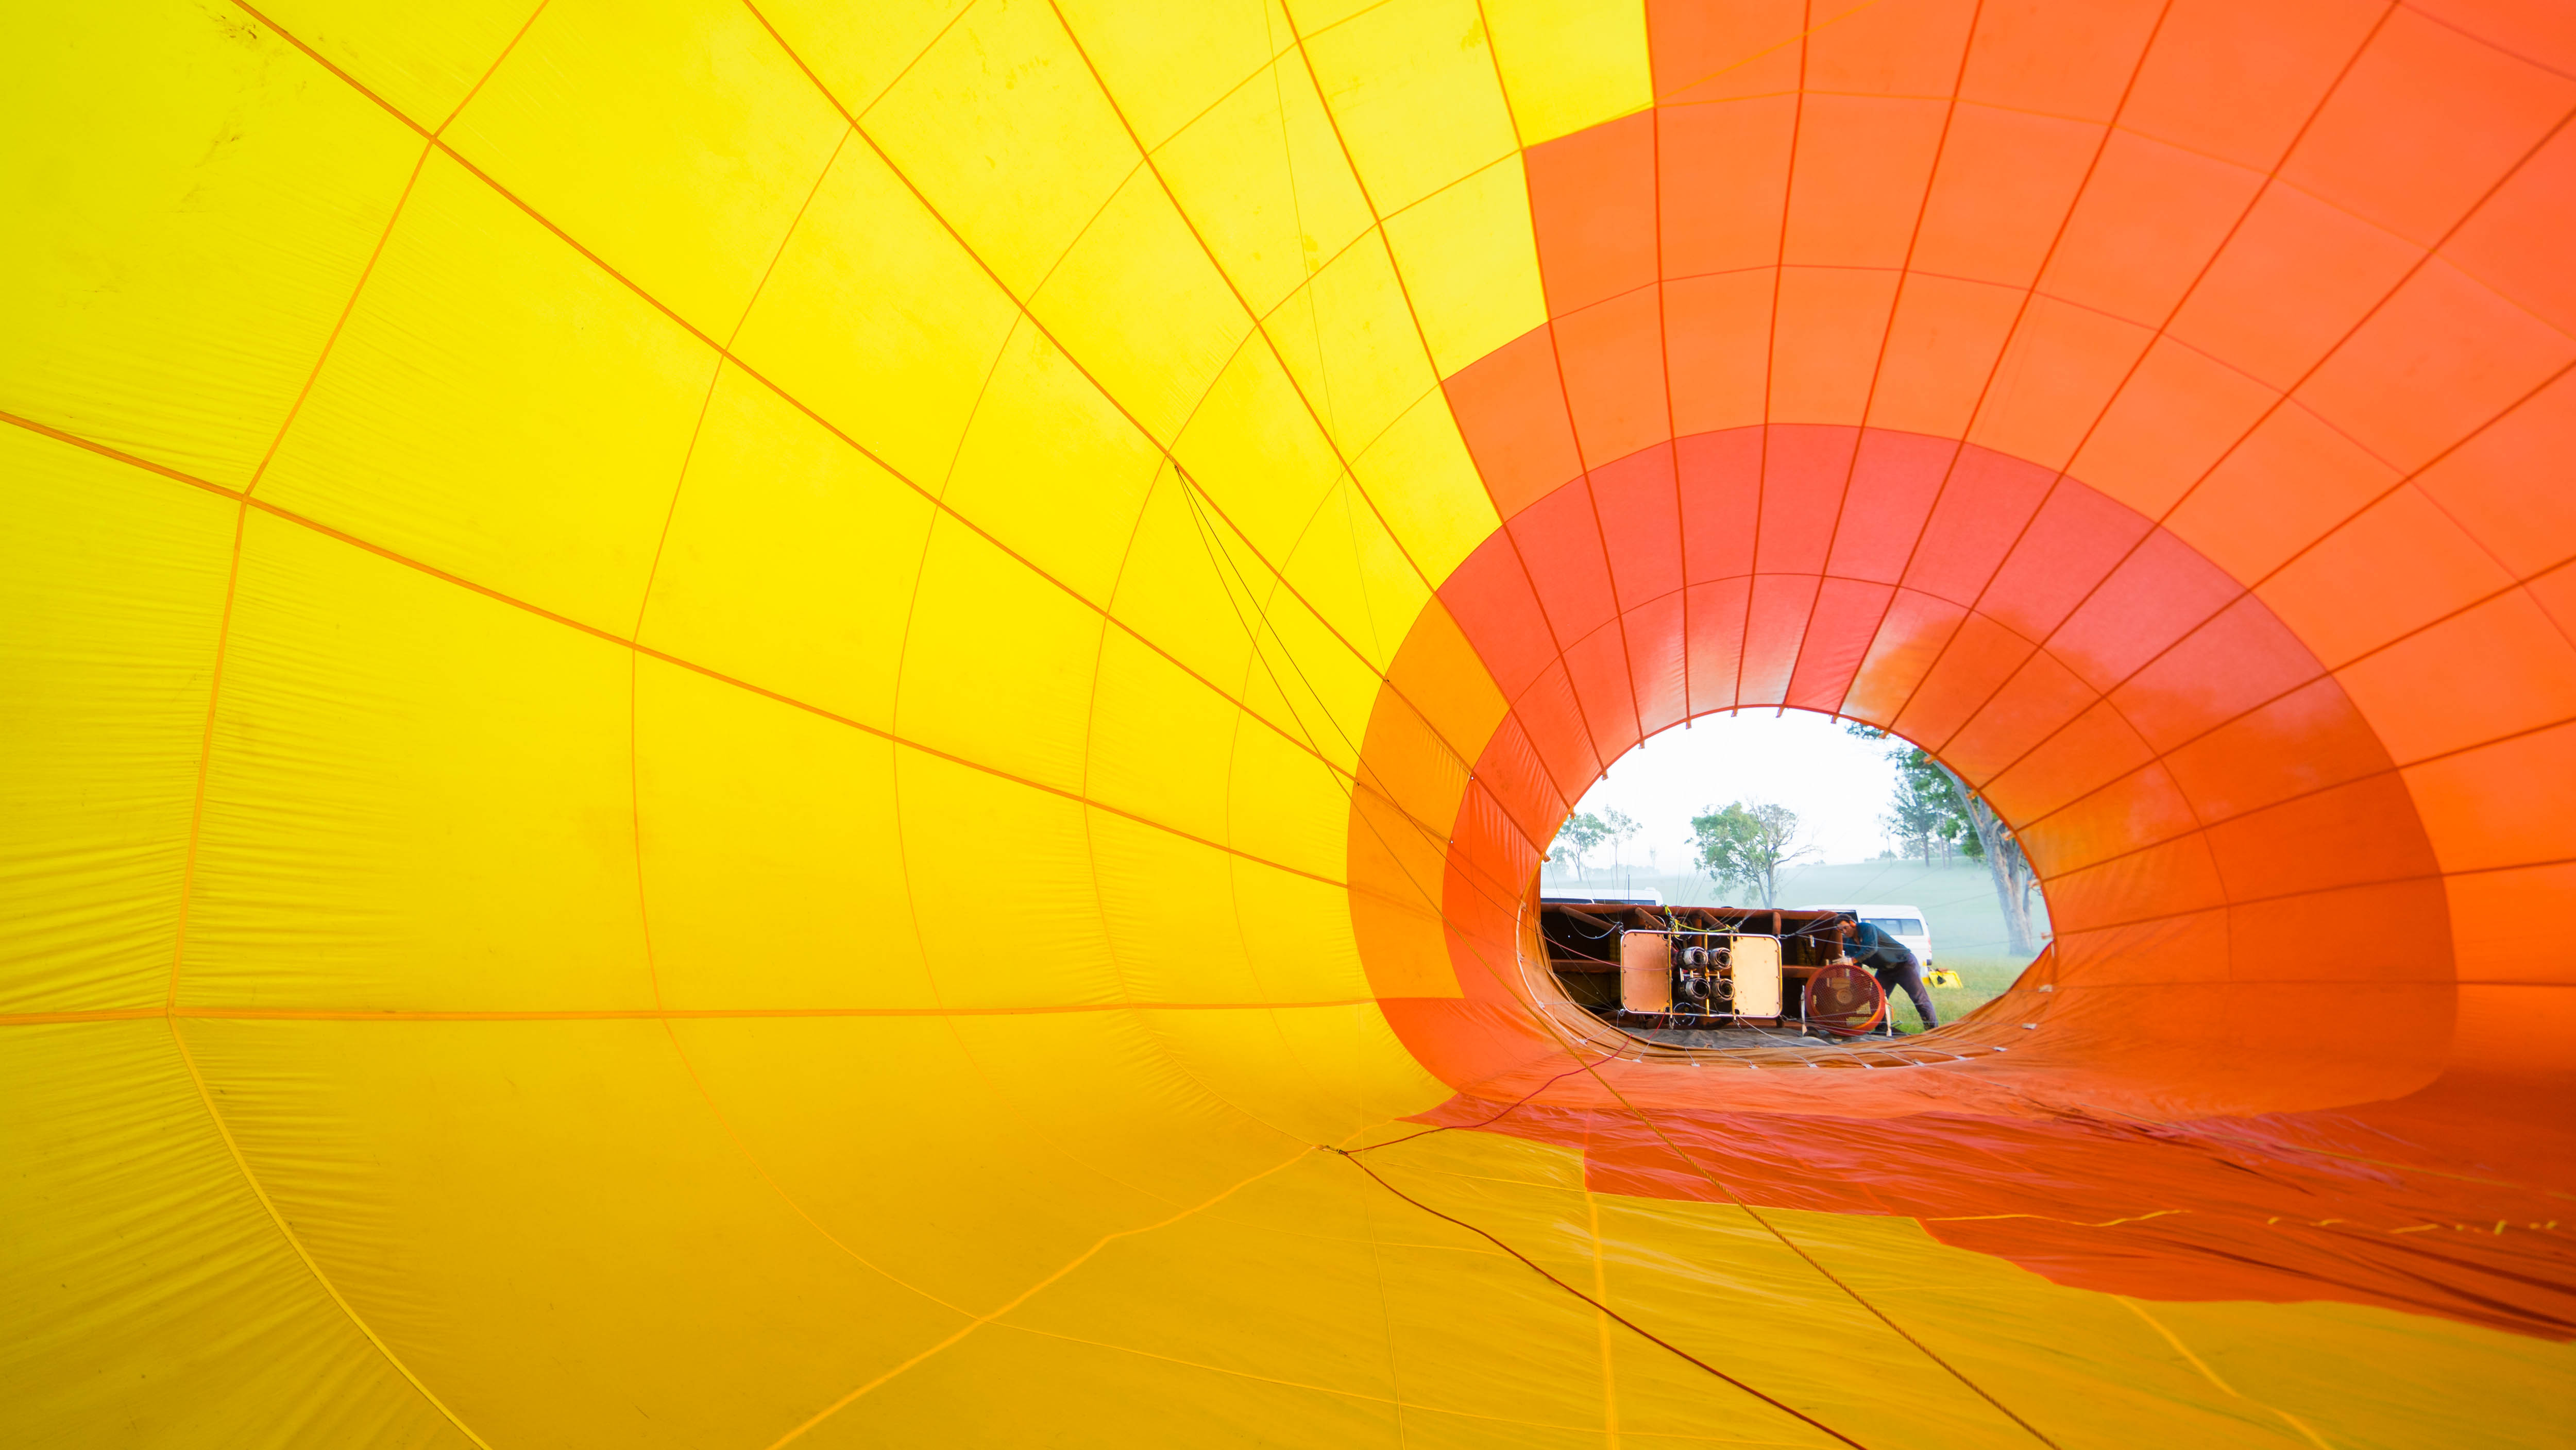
(1981, 980)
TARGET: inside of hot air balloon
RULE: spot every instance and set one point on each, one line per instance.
(771, 723)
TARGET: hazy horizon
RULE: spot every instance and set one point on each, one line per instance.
(1839, 785)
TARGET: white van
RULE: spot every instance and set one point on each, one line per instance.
(1905, 923)
(1602, 896)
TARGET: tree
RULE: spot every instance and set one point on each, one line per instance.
(2005, 863)
(1930, 793)
(1616, 826)
(1918, 817)
(1928, 797)
(1575, 839)
(1748, 845)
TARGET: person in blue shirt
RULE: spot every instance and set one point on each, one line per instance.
(1891, 961)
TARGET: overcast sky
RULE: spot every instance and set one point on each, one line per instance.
(1838, 785)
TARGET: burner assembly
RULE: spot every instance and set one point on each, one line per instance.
(1644, 967)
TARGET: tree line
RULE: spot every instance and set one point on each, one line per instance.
(1743, 844)
(1585, 832)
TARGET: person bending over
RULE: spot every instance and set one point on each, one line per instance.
(1892, 962)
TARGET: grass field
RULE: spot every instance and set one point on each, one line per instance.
(1981, 980)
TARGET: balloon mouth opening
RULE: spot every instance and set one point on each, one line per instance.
(2209, 807)
(1681, 982)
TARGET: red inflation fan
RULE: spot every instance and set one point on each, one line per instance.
(1844, 1000)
